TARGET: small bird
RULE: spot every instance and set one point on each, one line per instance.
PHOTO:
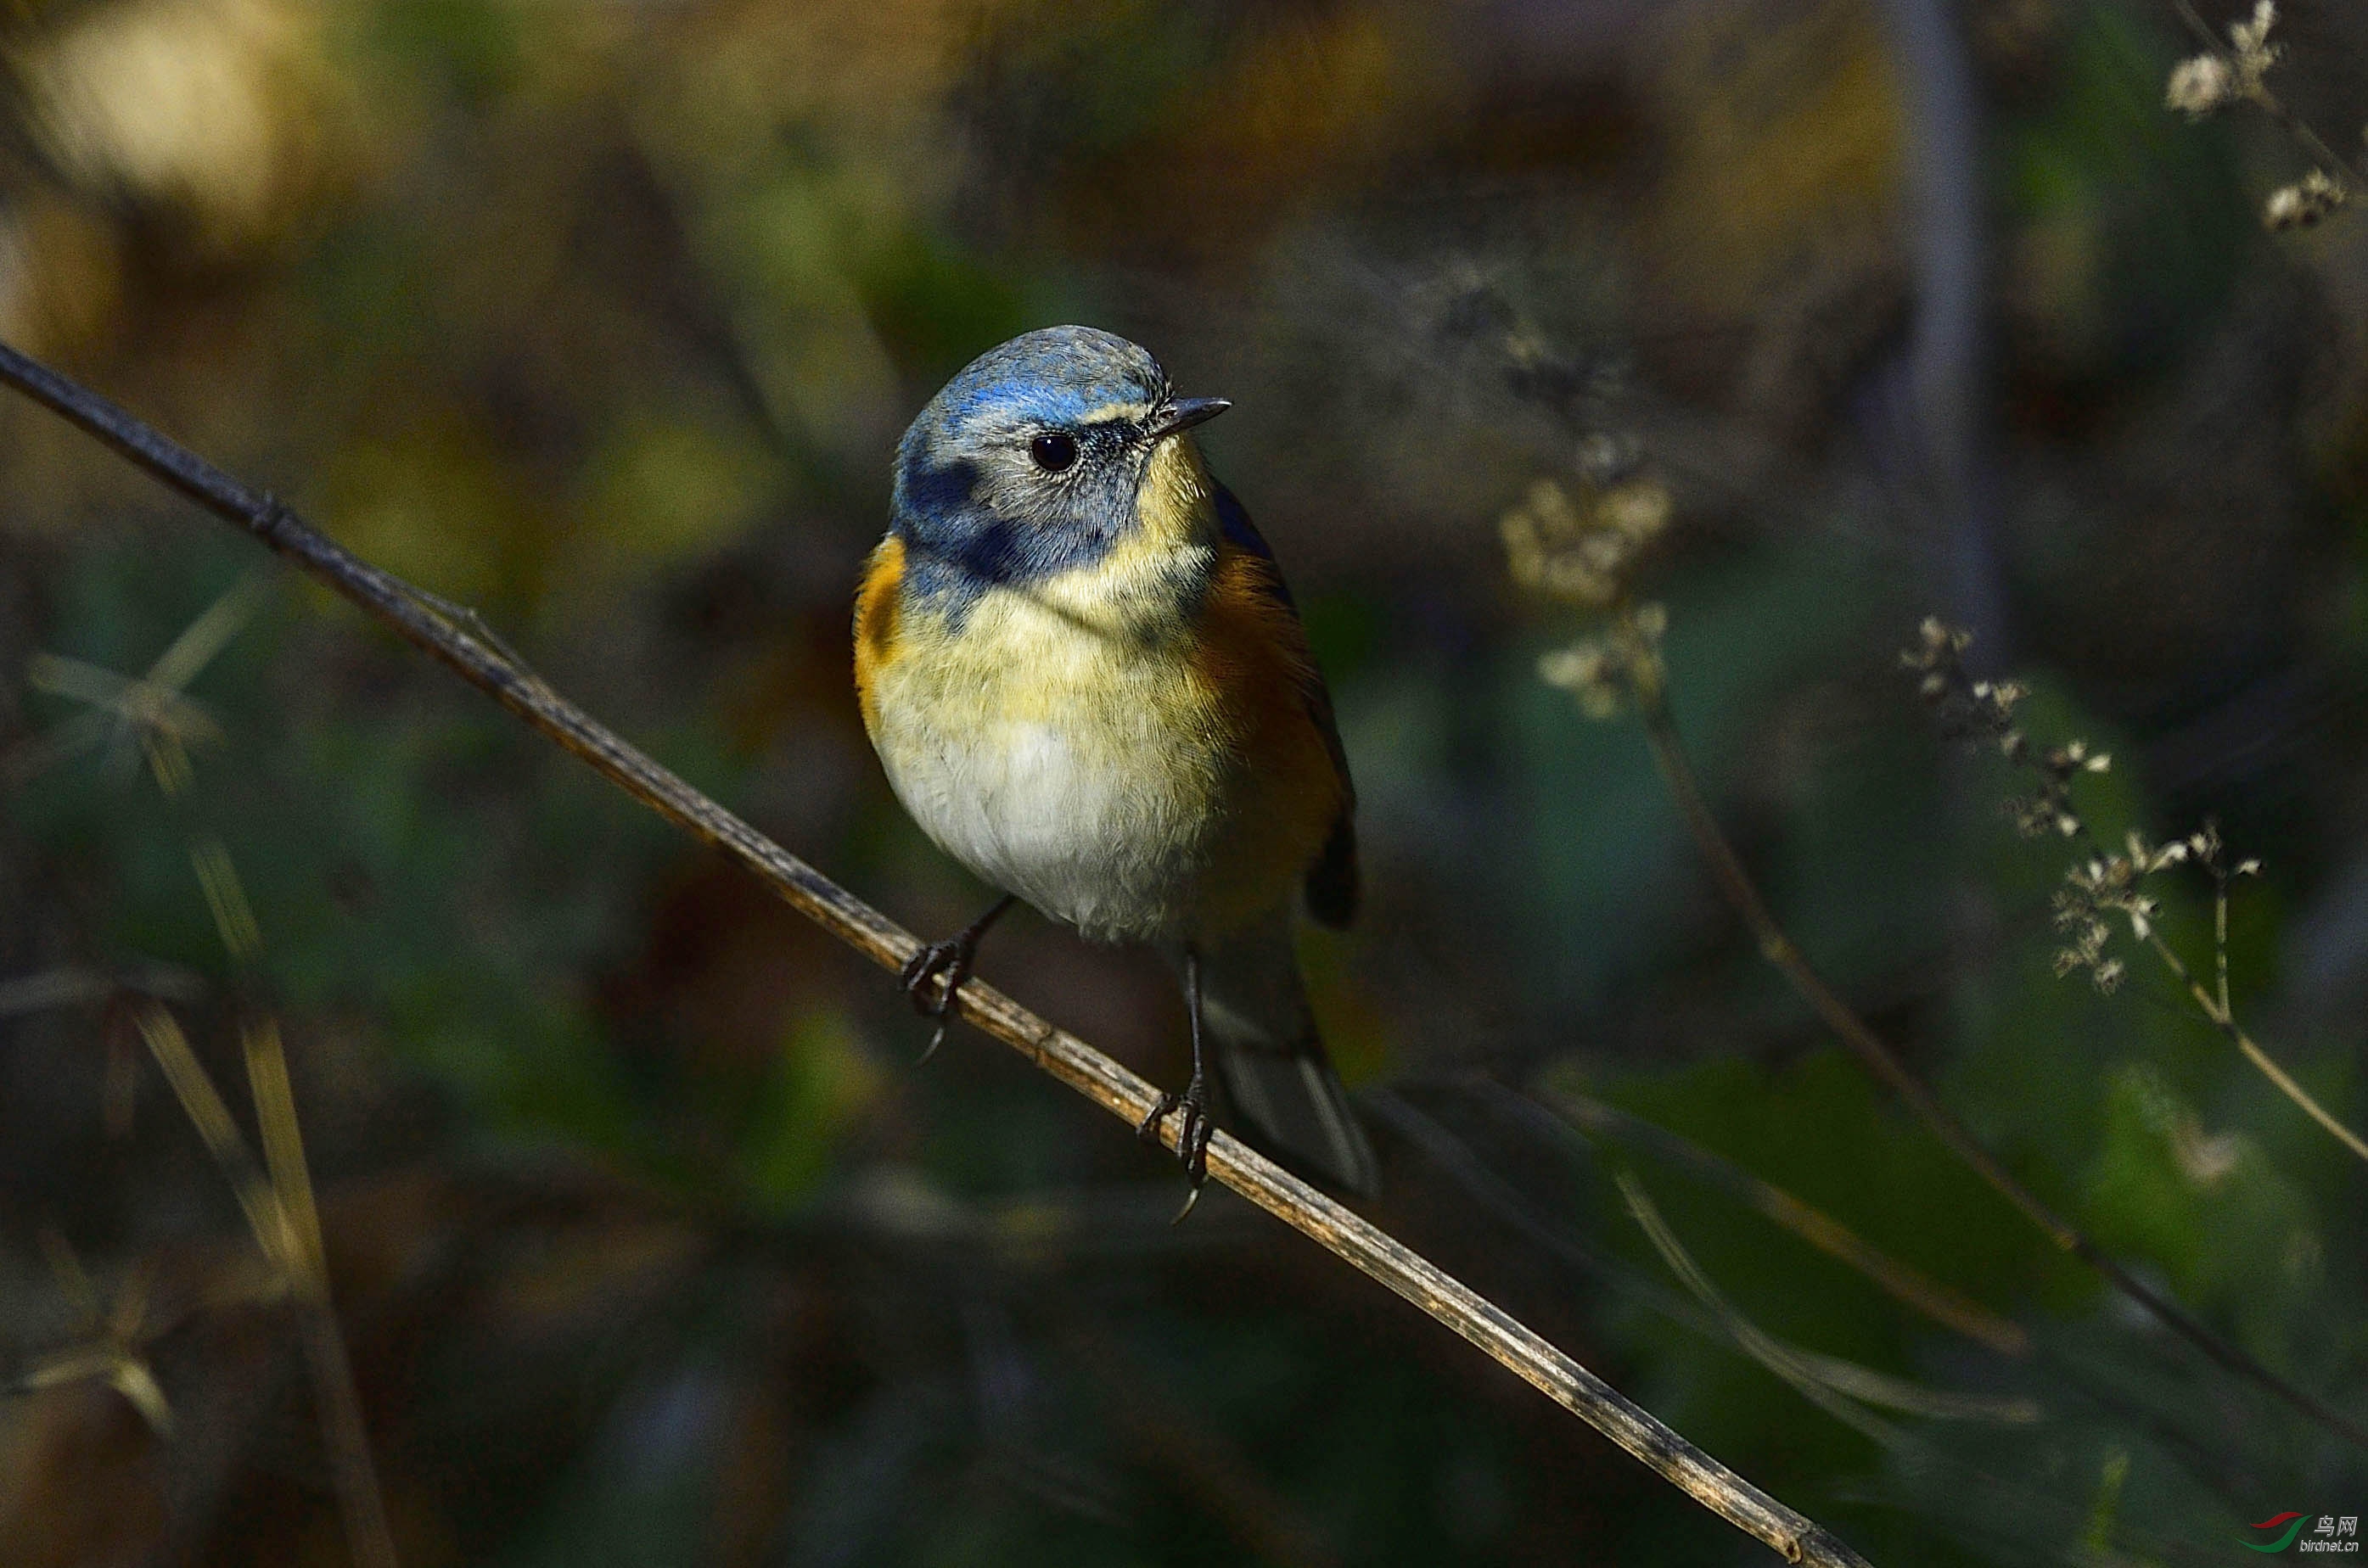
(1087, 683)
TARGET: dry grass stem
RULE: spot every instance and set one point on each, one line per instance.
(281, 1214)
(283, 1149)
(358, 1496)
(226, 899)
(210, 1114)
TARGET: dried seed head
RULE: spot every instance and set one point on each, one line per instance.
(1605, 458)
(1582, 547)
(1591, 671)
(2250, 39)
(2200, 85)
(2305, 203)
(2253, 52)
(1607, 671)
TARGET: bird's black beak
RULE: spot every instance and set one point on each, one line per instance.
(1186, 412)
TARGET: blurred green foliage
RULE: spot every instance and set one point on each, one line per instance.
(653, 1244)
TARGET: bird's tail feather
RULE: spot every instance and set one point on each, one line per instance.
(1271, 1062)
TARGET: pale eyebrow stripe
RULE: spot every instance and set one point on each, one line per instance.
(1114, 412)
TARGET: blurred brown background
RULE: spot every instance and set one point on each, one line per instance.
(652, 1244)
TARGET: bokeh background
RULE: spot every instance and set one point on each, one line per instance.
(652, 1244)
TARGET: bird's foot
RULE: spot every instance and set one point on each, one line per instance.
(947, 962)
(1193, 1128)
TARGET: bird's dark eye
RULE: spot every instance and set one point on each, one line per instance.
(1053, 453)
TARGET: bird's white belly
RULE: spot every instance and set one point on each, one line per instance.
(1029, 809)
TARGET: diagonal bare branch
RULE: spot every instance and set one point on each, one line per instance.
(1083, 1069)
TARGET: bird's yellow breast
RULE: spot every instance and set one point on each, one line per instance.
(1125, 745)
(1047, 743)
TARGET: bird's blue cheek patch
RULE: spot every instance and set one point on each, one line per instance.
(934, 491)
(958, 545)
(934, 518)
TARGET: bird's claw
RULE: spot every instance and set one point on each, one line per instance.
(948, 962)
(1193, 1129)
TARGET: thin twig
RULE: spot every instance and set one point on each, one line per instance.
(1859, 1383)
(2220, 931)
(1508, 1203)
(1811, 1225)
(2225, 1022)
(1777, 948)
(1748, 1336)
(1065, 1057)
(1816, 1377)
